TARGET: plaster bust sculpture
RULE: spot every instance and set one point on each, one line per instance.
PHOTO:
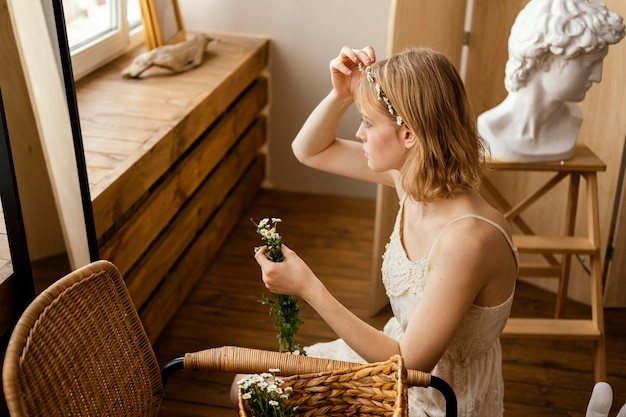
(556, 50)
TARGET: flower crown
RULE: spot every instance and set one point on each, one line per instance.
(381, 95)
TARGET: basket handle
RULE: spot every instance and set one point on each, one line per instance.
(246, 360)
(237, 359)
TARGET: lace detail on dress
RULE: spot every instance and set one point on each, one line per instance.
(400, 274)
(475, 336)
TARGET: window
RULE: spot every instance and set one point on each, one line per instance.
(100, 30)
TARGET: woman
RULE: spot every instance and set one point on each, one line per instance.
(450, 266)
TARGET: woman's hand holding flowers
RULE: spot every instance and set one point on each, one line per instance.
(291, 276)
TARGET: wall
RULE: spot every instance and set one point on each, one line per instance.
(305, 36)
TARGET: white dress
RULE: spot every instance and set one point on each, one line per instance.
(472, 364)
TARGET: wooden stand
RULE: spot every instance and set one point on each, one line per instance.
(584, 164)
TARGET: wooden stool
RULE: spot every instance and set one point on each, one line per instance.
(584, 164)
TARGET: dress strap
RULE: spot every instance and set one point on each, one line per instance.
(476, 216)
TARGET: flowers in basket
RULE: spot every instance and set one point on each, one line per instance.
(265, 396)
(284, 307)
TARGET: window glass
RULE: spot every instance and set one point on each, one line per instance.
(133, 12)
(100, 30)
(89, 20)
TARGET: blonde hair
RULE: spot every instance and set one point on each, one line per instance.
(428, 94)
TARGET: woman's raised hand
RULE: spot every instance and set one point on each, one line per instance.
(344, 69)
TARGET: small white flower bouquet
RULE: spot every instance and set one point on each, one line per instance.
(284, 307)
(265, 396)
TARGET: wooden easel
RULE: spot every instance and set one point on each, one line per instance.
(585, 164)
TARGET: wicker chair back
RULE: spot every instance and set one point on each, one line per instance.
(80, 349)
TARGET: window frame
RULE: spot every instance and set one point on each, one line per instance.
(108, 47)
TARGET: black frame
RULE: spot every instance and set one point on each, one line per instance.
(72, 104)
(13, 218)
(16, 233)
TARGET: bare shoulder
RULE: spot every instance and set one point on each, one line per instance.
(478, 256)
(478, 232)
(482, 241)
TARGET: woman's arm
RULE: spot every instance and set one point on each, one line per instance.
(316, 144)
(293, 276)
(471, 264)
(431, 328)
(459, 270)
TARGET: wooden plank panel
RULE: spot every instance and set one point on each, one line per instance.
(190, 267)
(584, 160)
(551, 328)
(108, 146)
(539, 270)
(129, 242)
(554, 244)
(488, 51)
(201, 95)
(100, 130)
(195, 410)
(557, 357)
(552, 397)
(143, 279)
(605, 129)
(419, 23)
(525, 410)
(186, 390)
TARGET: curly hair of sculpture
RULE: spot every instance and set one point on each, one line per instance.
(556, 52)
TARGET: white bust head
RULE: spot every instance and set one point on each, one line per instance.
(556, 50)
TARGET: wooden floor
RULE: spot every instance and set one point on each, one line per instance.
(334, 235)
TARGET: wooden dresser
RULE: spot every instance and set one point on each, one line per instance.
(172, 161)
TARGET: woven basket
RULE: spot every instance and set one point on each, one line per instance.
(376, 389)
(321, 387)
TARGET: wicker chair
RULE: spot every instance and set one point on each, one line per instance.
(80, 349)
